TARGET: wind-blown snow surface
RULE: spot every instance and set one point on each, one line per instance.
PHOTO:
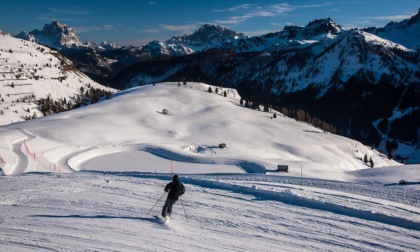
(90, 211)
(125, 149)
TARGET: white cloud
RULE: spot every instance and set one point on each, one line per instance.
(248, 11)
(240, 7)
(235, 8)
(392, 18)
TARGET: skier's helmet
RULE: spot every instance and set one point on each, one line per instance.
(175, 178)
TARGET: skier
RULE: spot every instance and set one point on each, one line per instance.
(176, 189)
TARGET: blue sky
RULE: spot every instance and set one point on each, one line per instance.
(137, 22)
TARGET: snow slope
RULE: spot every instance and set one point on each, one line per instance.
(30, 71)
(90, 211)
(85, 180)
(132, 122)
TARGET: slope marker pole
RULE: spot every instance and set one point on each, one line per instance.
(301, 182)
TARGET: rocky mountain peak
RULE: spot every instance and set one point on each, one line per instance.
(56, 28)
(55, 35)
(312, 30)
(208, 34)
(414, 19)
(322, 26)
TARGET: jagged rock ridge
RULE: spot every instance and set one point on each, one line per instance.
(54, 35)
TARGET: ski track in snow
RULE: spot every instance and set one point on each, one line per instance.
(104, 211)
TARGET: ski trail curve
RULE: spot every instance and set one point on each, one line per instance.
(249, 166)
(22, 159)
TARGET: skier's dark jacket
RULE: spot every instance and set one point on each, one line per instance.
(175, 188)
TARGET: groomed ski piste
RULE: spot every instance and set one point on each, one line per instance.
(85, 180)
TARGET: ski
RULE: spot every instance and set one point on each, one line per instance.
(162, 219)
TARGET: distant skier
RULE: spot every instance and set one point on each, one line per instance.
(176, 189)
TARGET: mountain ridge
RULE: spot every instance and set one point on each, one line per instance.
(406, 32)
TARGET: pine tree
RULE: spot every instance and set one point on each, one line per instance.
(371, 162)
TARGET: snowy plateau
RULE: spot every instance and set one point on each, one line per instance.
(86, 179)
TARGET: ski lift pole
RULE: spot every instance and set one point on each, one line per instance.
(182, 203)
(156, 203)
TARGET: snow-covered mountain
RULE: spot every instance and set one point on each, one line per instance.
(207, 37)
(30, 72)
(213, 37)
(290, 37)
(62, 37)
(364, 85)
(406, 32)
(54, 35)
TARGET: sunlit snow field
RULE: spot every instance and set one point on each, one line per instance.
(85, 180)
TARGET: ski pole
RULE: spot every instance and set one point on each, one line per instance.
(184, 209)
(156, 203)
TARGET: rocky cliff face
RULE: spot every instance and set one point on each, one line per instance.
(54, 35)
